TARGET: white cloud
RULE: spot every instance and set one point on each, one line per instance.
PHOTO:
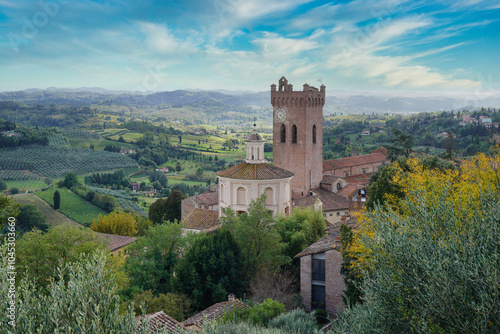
(160, 39)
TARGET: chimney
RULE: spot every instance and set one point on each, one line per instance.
(231, 298)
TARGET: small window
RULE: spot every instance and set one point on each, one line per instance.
(339, 186)
(331, 214)
(338, 213)
(283, 133)
(318, 270)
(294, 134)
(314, 134)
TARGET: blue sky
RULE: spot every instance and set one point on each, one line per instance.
(448, 46)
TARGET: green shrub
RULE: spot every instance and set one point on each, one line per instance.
(296, 321)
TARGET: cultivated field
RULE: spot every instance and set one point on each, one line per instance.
(73, 206)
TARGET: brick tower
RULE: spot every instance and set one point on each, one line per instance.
(298, 134)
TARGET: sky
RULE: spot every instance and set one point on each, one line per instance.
(418, 47)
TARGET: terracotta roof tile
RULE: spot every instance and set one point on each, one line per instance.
(331, 201)
(116, 241)
(208, 197)
(201, 219)
(328, 242)
(353, 161)
(161, 321)
(347, 190)
(214, 312)
(263, 171)
(330, 179)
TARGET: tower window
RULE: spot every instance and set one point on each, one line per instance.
(283, 133)
(314, 134)
(294, 134)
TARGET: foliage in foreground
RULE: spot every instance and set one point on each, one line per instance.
(432, 265)
(85, 302)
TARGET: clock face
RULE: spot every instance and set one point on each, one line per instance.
(280, 115)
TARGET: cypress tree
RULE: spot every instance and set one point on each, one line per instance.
(57, 200)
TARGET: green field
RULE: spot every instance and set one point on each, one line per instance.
(73, 206)
(26, 185)
(53, 217)
(99, 144)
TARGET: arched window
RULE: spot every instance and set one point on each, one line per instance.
(314, 134)
(283, 133)
(269, 196)
(221, 192)
(294, 134)
(241, 196)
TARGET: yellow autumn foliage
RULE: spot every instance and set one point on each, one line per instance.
(118, 223)
(476, 178)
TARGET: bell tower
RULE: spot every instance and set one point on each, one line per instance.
(298, 134)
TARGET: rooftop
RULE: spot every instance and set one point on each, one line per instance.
(214, 312)
(116, 241)
(331, 201)
(246, 171)
(161, 321)
(201, 219)
(353, 161)
(328, 242)
(208, 197)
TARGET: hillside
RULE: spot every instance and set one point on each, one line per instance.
(74, 206)
(53, 217)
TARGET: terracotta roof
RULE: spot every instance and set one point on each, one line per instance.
(201, 219)
(361, 179)
(161, 321)
(213, 228)
(328, 242)
(353, 161)
(214, 187)
(116, 241)
(208, 197)
(331, 201)
(214, 312)
(330, 179)
(347, 190)
(263, 171)
(255, 136)
(304, 202)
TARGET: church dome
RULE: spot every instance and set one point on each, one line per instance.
(248, 171)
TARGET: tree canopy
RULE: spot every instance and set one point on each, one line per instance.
(430, 261)
(210, 270)
(119, 223)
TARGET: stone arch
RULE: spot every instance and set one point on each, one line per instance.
(287, 103)
(294, 134)
(301, 101)
(274, 101)
(283, 133)
(241, 196)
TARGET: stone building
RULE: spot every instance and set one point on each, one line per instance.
(239, 185)
(321, 280)
(298, 133)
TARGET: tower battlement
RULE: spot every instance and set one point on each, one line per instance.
(283, 95)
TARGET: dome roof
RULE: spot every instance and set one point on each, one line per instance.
(263, 171)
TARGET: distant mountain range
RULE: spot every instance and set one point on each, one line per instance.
(351, 102)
